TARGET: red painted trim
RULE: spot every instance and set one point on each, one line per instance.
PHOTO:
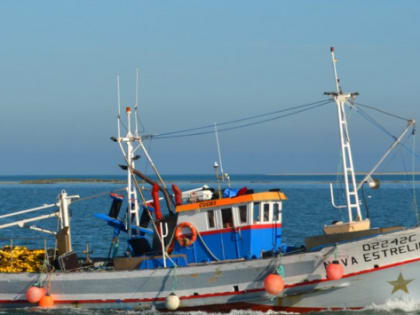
(226, 308)
(243, 228)
(14, 302)
(383, 267)
(223, 308)
(356, 273)
(189, 297)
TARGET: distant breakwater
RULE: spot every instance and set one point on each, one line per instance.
(71, 180)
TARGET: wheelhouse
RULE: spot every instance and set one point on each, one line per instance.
(246, 226)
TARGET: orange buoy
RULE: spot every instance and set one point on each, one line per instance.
(46, 301)
(273, 284)
(334, 270)
(35, 294)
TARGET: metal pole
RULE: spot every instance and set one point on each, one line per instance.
(119, 106)
(388, 151)
(28, 210)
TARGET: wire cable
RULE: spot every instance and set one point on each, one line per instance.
(374, 122)
(413, 178)
(379, 126)
(381, 111)
(96, 195)
(240, 120)
(174, 135)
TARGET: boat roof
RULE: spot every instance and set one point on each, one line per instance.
(214, 203)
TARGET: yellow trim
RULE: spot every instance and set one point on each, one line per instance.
(216, 203)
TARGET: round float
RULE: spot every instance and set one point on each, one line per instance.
(46, 301)
(273, 284)
(172, 302)
(334, 271)
(34, 294)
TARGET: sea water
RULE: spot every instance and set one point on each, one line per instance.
(307, 209)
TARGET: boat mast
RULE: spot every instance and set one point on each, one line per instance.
(137, 103)
(133, 204)
(133, 141)
(139, 140)
(128, 151)
(340, 98)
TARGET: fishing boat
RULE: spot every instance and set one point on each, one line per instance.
(218, 248)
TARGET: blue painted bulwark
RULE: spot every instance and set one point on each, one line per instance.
(246, 242)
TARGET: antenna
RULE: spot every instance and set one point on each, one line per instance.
(223, 176)
(119, 106)
(337, 80)
(137, 101)
(218, 149)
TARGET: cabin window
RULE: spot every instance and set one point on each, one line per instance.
(243, 214)
(227, 218)
(266, 212)
(276, 212)
(211, 219)
(256, 212)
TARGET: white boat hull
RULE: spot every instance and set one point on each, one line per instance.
(376, 270)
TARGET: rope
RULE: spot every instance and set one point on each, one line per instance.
(365, 202)
(413, 169)
(335, 253)
(96, 195)
(381, 111)
(45, 269)
(241, 119)
(375, 123)
(206, 247)
(174, 283)
(280, 270)
(176, 134)
(164, 251)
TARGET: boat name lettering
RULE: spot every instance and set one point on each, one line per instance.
(383, 249)
(402, 240)
(206, 204)
(347, 261)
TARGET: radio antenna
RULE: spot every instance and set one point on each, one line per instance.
(137, 101)
(337, 80)
(218, 148)
(119, 106)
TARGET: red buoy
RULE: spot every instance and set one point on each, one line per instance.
(156, 203)
(34, 294)
(178, 195)
(273, 284)
(46, 301)
(334, 270)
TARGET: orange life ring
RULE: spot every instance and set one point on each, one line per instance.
(185, 239)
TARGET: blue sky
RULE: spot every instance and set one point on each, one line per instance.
(200, 62)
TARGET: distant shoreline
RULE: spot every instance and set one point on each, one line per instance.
(70, 180)
(333, 174)
(92, 179)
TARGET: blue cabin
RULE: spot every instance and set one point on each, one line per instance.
(205, 228)
(246, 226)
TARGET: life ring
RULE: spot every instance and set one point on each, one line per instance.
(185, 239)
